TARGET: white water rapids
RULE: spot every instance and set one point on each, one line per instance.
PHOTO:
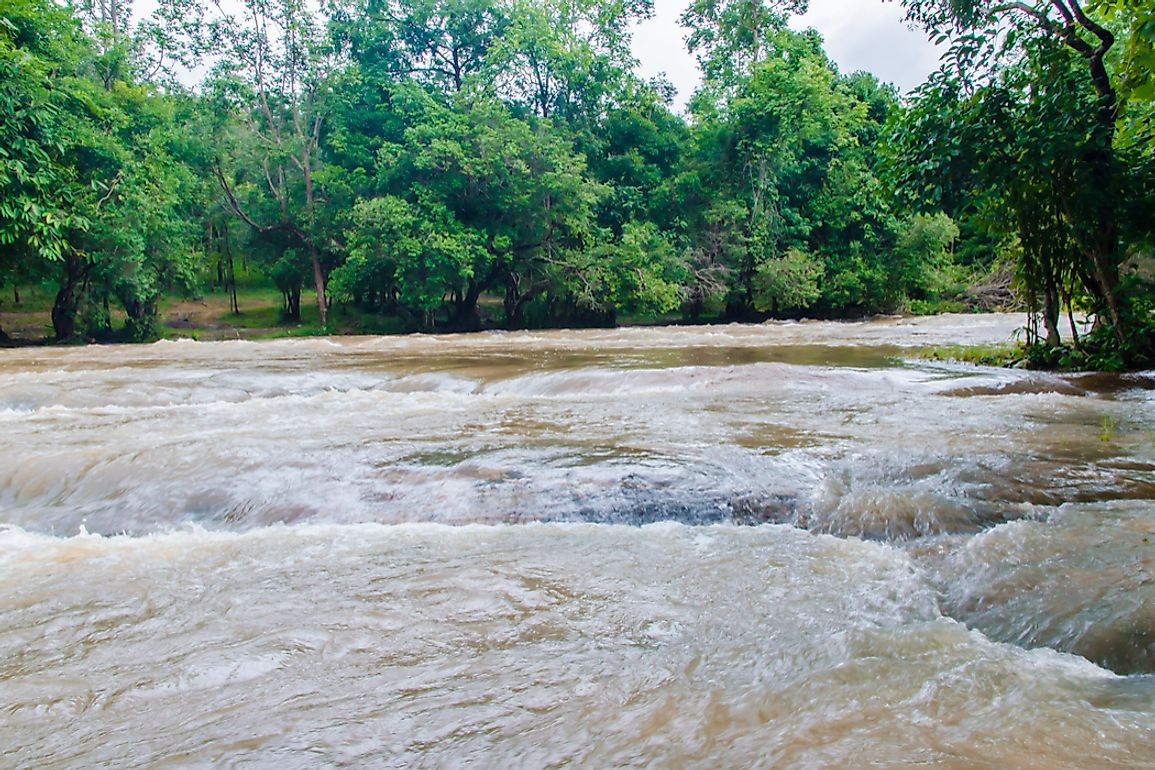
(785, 545)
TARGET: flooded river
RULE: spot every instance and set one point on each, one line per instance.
(787, 545)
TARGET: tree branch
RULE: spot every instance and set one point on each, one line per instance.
(1106, 39)
(1039, 16)
(232, 200)
(111, 190)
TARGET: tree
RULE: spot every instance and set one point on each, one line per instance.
(275, 73)
(923, 264)
(565, 59)
(93, 192)
(636, 149)
(1087, 168)
(35, 215)
(442, 44)
(515, 187)
(790, 282)
(411, 255)
(729, 37)
(640, 272)
(782, 166)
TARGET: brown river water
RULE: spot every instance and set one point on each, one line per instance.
(789, 545)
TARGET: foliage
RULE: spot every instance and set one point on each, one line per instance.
(455, 164)
(412, 254)
(785, 160)
(790, 282)
(923, 264)
(729, 36)
(640, 274)
(93, 191)
(1026, 131)
(33, 218)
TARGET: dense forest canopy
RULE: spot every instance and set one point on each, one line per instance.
(458, 164)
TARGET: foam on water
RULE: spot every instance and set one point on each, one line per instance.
(529, 646)
(1082, 580)
(942, 549)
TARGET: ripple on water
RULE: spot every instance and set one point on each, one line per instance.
(334, 642)
(1082, 581)
(528, 646)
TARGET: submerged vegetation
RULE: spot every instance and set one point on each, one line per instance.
(1009, 354)
(464, 164)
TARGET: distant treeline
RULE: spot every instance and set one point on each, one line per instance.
(458, 163)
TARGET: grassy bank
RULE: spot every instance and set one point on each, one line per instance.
(207, 317)
(1004, 355)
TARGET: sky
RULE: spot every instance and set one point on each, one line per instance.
(860, 35)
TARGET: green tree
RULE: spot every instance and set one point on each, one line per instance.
(783, 163)
(636, 149)
(729, 37)
(442, 44)
(274, 73)
(790, 282)
(94, 193)
(923, 264)
(565, 59)
(1050, 62)
(411, 255)
(517, 187)
(35, 215)
(638, 273)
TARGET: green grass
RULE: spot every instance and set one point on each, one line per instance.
(1004, 355)
(33, 299)
(269, 316)
(262, 309)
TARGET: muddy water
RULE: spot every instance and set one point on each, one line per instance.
(788, 545)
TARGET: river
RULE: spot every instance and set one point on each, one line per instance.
(790, 545)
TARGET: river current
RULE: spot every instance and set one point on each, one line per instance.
(786, 545)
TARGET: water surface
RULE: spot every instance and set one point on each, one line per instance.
(784, 545)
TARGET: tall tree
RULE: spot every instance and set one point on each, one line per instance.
(440, 43)
(35, 215)
(729, 37)
(989, 40)
(785, 206)
(275, 71)
(565, 59)
(94, 194)
(517, 194)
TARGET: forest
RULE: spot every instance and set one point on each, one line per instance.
(470, 164)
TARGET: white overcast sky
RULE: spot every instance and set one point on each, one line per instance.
(859, 35)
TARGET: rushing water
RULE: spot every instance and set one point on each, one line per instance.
(426, 552)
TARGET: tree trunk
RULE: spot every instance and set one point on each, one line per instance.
(465, 313)
(142, 323)
(67, 301)
(319, 285)
(292, 297)
(1051, 311)
(513, 304)
(236, 308)
(1101, 247)
(1099, 159)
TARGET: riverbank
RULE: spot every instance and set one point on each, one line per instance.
(210, 318)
